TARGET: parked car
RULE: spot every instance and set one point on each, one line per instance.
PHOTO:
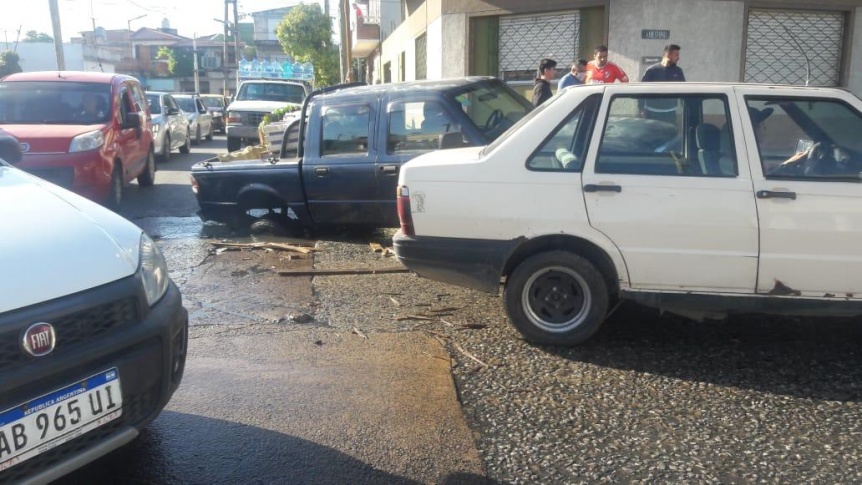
(87, 132)
(351, 149)
(170, 126)
(255, 99)
(93, 333)
(200, 120)
(216, 104)
(745, 198)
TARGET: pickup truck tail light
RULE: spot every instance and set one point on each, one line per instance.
(195, 186)
(404, 214)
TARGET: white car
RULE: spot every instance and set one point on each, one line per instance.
(699, 199)
(170, 126)
(93, 334)
(200, 119)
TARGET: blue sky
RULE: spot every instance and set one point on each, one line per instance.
(188, 17)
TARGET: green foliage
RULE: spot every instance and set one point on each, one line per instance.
(33, 36)
(9, 63)
(181, 62)
(306, 35)
(278, 114)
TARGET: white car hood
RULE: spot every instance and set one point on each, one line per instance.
(54, 243)
(260, 106)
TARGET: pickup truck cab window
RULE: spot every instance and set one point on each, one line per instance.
(345, 130)
(417, 126)
(491, 109)
(689, 137)
(807, 139)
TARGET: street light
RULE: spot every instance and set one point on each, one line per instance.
(129, 23)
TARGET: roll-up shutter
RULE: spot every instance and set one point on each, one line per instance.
(779, 41)
(525, 39)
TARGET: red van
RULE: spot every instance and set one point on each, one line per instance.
(87, 132)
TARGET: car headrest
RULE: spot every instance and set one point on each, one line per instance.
(708, 137)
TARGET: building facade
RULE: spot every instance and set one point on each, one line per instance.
(762, 41)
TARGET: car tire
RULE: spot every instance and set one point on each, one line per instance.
(275, 226)
(148, 177)
(197, 135)
(187, 147)
(115, 194)
(165, 157)
(556, 298)
(233, 144)
(210, 134)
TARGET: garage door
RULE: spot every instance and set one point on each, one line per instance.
(779, 41)
(525, 39)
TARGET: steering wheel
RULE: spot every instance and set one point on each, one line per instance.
(493, 120)
(819, 159)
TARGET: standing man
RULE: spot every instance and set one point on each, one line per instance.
(542, 86)
(575, 76)
(600, 71)
(665, 71)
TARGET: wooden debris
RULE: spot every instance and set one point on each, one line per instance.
(444, 310)
(437, 334)
(413, 317)
(377, 248)
(342, 272)
(468, 354)
(473, 326)
(265, 245)
(447, 323)
(356, 331)
(392, 294)
(394, 301)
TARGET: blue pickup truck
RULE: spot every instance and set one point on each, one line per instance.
(340, 158)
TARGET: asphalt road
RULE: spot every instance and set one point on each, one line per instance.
(269, 394)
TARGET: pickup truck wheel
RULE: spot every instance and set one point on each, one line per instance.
(275, 227)
(556, 298)
(233, 144)
(209, 136)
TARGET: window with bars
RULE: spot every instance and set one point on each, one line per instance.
(780, 40)
(421, 57)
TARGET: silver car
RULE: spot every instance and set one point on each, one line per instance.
(170, 126)
(200, 119)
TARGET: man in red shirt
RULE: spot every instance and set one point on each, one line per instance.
(600, 71)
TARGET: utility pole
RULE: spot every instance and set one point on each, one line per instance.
(58, 36)
(344, 24)
(236, 40)
(195, 55)
(326, 7)
(224, 59)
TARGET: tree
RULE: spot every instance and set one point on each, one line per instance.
(305, 34)
(9, 63)
(180, 61)
(33, 36)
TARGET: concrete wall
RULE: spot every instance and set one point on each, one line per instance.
(40, 56)
(403, 39)
(455, 44)
(436, 45)
(709, 32)
(855, 78)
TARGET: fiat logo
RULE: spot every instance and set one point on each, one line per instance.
(25, 147)
(39, 339)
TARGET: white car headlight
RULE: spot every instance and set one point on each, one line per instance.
(154, 270)
(87, 141)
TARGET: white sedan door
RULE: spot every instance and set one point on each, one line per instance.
(810, 208)
(668, 191)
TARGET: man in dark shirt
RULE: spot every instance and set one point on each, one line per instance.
(542, 86)
(665, 71)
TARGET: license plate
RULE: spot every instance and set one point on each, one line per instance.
(38, 425)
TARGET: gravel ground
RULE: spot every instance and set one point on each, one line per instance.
(650, 398)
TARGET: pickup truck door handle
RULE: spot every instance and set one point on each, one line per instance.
(321, 171)
(775, 194)
(602, 188)
(389, 169)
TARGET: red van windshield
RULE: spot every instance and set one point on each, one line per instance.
(49, 102)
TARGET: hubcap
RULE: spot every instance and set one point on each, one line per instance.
(556, 299)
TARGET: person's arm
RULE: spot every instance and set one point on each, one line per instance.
(623, 76)
(589, 77)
